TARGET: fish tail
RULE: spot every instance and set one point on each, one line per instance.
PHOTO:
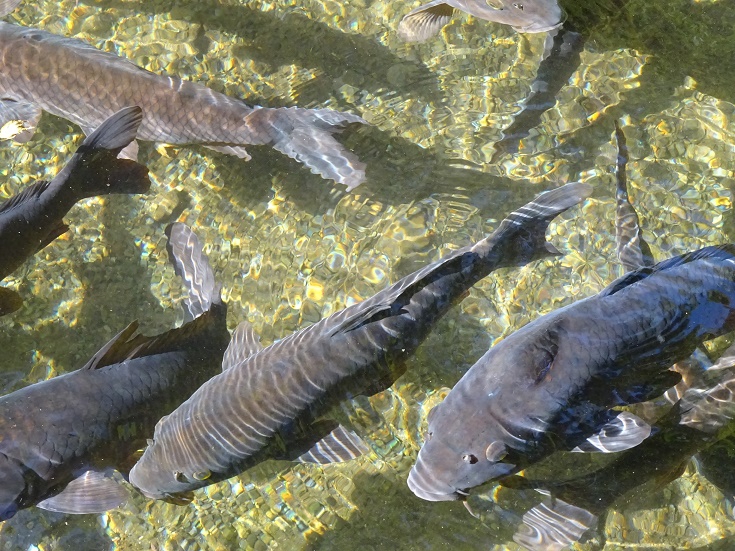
(192, 266)
(522, 235)
(306, 135)
(95, 169)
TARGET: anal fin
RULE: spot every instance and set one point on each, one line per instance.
(27, 114)
(93, 492)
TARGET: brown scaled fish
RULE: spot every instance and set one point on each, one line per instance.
(73, 80)
(59, 439)
(34, 218)
(276, 402)
(525, 16)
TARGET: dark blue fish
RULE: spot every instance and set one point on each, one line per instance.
(275, 402)
(60, 439)
(33, 218)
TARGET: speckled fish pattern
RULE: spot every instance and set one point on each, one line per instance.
(71, 79)
(256, 408)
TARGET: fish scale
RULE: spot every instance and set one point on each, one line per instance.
(276, 402)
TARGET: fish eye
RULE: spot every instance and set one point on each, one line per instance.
(518, 6)
(469, 458)
(202, 475)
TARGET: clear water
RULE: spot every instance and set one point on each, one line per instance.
(291, 248)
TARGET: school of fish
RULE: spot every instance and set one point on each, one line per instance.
(204, 405)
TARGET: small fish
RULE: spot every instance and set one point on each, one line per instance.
(73, 80)
(33, 218)
(702, 418)
(277, 402)
(551, 384)
(60, 439)
(525, 16)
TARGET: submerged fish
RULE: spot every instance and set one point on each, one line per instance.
(703, 417)
(275, 402)
(33, 218)
(525, 16)
(60, 438)
(551, 384)
(71, 79)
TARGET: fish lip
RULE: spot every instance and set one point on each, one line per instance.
(414, 482)
(539, 27)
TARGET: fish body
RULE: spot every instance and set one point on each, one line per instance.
(550, 384)
(33, 218)
(71, 79)
(59, 437)
(525, 16)
(275, 402)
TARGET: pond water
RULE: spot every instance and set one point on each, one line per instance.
(291, 248)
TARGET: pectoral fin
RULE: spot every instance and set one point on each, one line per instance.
(621, 433)
(7, 6)
(553, 525)
(93, 492)
(245, 342)
(10, 301)
(425, 21)
(18, 119)
(338, 446)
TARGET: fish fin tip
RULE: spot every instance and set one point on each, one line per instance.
(236, 150)
(424, 22)
(621, 433)
(93, 492)
(10, 301)
(338, 446)
(244, 343)
(129, 152)
(553, 525)
(191, 264)
(115, 350)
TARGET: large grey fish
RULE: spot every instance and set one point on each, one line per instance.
(525, 16)
(71, 79)
(551, 384)
(702, 418)
(33, 218)
(60, 438)
(275, 402)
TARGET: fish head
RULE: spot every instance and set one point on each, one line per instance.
(155, 477)
(451, 462)
(525, 16)
(12, 487)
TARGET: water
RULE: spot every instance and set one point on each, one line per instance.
(291, 248)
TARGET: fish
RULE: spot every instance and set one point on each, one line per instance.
(62, 439)
(525, 16)
(700, 420)
(33, 218)
(279, 402)
(552, 384)
(73, 80)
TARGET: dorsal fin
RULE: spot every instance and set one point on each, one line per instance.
(244, 343)
(722, 252)
(32, 192)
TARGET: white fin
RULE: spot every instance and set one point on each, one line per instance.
(236, 150)
(553, 525)
(18, 119)
(93, 492)
(425, 21)
(245, 342)
(8, 6)
(338, 446)
(621, 433)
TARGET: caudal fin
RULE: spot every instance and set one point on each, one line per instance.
(96, 170)
(523, 232)
(306, 135)
(192, 265)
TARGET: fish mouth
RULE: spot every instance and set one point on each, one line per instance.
(430, 489)
(540, 27)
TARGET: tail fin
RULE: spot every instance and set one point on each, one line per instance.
(192, 265)
(306, 135)
(96, 170)
(530, 222)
